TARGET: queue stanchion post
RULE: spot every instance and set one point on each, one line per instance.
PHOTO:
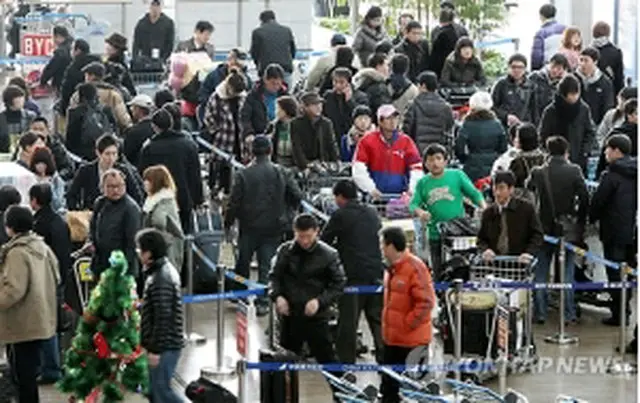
(457, 343)
(190, 336)
(561, 338)
(220, 368)
(621, 366)
(243, 385)
(272, 325)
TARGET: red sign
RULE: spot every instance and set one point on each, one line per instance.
(36, 45)
(242, 335)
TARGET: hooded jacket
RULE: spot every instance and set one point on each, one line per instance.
(457, 73)
(374, 84)
(597, 92)
(109, 96)
(571, 121)
(610, 62)
(628, 129)
(160, 211)
(148, 35)
(29, 278)
(428, 119)
(615, 202)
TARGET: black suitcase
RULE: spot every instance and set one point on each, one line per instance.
(205, 391)
(208, 237)
(280, 386)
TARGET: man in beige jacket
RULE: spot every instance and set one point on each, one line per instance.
(322, 66)
(108, 94)
(29, 277)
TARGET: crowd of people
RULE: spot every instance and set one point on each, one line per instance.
(375, 104)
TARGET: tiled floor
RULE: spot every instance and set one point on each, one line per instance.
(596, 342)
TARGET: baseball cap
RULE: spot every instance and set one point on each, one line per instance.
(142, 100)
(386, 111)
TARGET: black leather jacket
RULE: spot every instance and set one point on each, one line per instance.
(161, 325)
(301, 275)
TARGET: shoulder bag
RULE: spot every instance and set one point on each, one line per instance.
(565, 226)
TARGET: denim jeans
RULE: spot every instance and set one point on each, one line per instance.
(50, 359)
(264, 247)
(160, 378)
(545, 258)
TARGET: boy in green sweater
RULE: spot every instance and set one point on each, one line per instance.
(439, 197)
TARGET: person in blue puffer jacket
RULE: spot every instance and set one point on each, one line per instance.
(547, 39)
(481, 139)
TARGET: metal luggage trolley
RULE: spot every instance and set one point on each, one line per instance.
(510, 269)
(321, 178)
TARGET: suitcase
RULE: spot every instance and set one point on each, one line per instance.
(280, 386)
(205, 391)
(208, 238)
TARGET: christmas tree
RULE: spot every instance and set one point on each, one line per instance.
(105, 357)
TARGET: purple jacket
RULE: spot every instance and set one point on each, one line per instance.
(545, 43)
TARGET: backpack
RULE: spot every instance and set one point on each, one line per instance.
(95, 124)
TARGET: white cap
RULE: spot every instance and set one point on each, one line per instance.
(143, 101)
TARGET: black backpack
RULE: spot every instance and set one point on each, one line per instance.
(94, 124)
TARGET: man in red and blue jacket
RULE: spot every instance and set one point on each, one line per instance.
(384, 158)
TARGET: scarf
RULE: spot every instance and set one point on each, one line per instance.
(600, 42)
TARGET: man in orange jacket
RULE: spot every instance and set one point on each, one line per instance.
(409, 297)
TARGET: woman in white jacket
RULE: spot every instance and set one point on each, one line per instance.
(160, 210)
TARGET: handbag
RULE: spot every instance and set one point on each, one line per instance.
(565, 226)
(79, 223)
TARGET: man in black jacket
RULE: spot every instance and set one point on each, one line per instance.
(509, 226)
(597, 88)
(179, 153)
(354, 229)
(116, 219)
(55, 231)
(135, 136)
(416, 48)
(154, 34)
(161, 314)
(514, 96)
(259, 107)
(262, 224)
(443, 41)
(54, 70)
(305, 281)
(610, 61)
(372, 80)
(545, 81)
(74, 75)
(85, 186)
(562, 191)
(341, 100)
(273, 43)
(614, 205)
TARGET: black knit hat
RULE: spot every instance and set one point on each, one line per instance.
(360, 110)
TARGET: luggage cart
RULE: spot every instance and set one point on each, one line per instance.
(479, 309)
(348, 392)
(470, 392)
(569, 399)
